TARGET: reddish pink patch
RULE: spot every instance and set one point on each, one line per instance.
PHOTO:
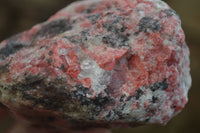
(86, 24)
(74, 68)
(86, 82)
(106, 57)
(134, 105)
(138, 73)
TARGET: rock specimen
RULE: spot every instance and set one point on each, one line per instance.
(98, 63)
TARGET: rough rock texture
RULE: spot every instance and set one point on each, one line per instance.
(98, 63)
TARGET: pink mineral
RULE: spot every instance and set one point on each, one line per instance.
(98, 63)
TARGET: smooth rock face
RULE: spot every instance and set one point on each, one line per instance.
(98, 63)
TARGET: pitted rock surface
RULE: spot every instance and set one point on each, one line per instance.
(98, 63)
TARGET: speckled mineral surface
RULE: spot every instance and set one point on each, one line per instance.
(98, 63)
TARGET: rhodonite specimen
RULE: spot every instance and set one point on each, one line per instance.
(98, 63)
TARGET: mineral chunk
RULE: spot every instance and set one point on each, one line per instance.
(98, 63)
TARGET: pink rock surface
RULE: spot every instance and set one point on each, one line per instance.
(98, 63)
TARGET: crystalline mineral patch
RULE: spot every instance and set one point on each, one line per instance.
(98, 63)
